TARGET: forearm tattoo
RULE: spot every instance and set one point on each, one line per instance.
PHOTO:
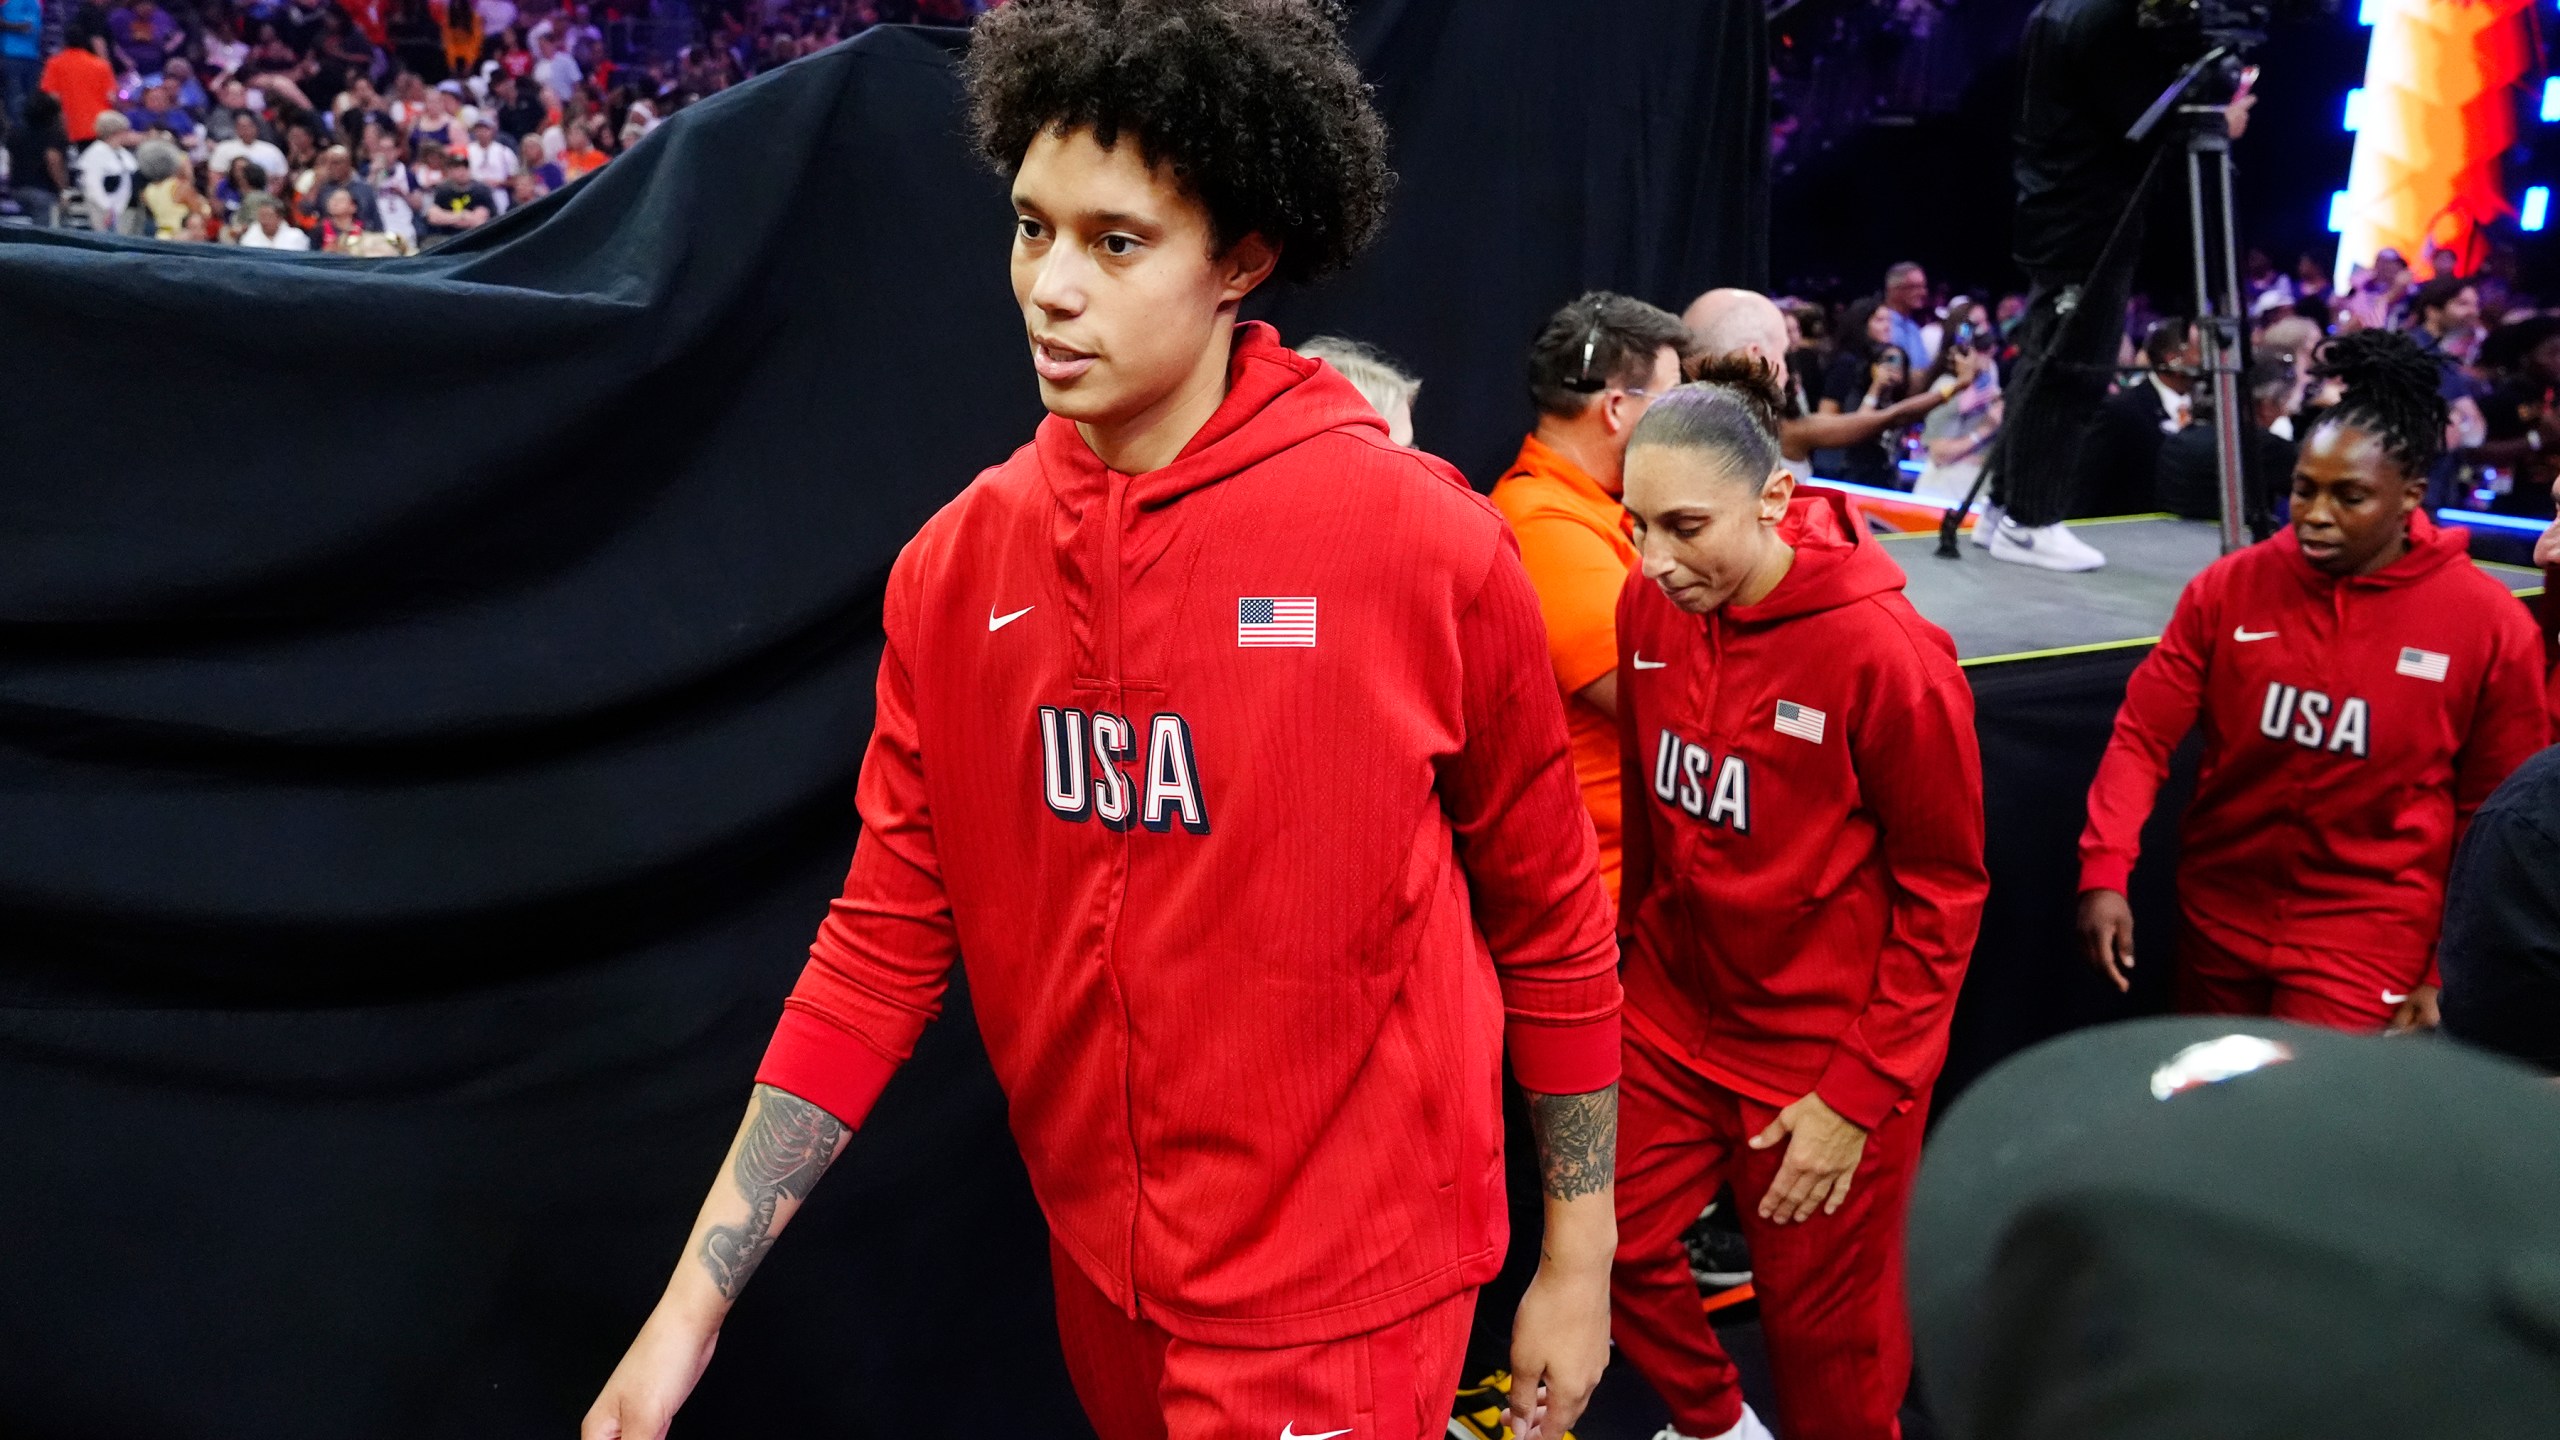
(1577, 1141)
(787, 1147)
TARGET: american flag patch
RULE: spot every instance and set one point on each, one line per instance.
(1276, 620)
(1802, 721)
(2425, 664)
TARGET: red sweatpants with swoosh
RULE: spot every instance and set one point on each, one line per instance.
(2223, 972)
(1830, 1288)
(1139, 1383)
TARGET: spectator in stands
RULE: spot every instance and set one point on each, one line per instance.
(267, 229)
(40, 160)
(585, 154)
(1906, 298)
(2380, 296)
(232, 190)
(2520, 415)
(552, 67)
(146, 36)
(340, 221)
(2295, 337)
(494, 162)
(79, 76)
(1808, 352)
(1385, 385)
(244, 144)
(526, 188)
(1593, 369)
(1959, 431)
(539, 164)
(519, 113)
(230, 102)
(21, 57)
(338, 173)
(2447, 312)
(459, 203)
(156, 113)
(441, 124)
(106, 168)
(2188, 480)
(2120, 458)
(178, 210)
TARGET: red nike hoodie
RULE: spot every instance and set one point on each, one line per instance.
(2351, 726)
(1241, 788)
(1804, 870)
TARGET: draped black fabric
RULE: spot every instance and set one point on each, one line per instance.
(430, 694)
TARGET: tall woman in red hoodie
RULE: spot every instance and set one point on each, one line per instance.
(2362, 688)
(1803, 881)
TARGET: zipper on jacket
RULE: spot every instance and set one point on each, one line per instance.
(1113, 576)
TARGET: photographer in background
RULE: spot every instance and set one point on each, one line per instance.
(2090, 70)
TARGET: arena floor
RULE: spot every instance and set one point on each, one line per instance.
(1998, 611)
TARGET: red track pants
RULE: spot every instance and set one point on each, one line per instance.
(2222, 972)
(1139, 1383)
(1830, 1288)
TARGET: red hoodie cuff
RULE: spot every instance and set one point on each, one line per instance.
(827, 1066)
(1864, 1095)
(2105, 872)
(1570, 1059)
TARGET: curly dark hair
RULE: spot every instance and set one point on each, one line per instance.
(1731, 409)
(2392, 394)
(1256, 104)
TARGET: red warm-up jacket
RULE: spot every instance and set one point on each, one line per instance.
(2351, 726)
(1804, 870)
(1241, 789)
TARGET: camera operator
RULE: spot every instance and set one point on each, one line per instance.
(2091, 68)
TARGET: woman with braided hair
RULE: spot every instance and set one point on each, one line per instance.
(2362, 687)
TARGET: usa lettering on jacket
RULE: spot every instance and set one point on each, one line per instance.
(1082, 760)
(2305, 717)
(1680, 780)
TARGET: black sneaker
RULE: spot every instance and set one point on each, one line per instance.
(1719, 1259)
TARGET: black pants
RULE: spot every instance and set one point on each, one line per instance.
(2067, 347)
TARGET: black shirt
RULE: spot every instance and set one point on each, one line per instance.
(455, 200)
(2089, 71)
(2500, 946)
(27, 149)
(522, 118)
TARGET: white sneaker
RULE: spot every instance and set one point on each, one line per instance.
(1985, 520)
(1747, 1428)
(2047, 547)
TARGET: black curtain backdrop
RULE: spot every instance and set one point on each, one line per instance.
(430, 692)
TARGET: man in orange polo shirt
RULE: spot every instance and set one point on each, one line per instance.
(80, 77)
(1592, 371)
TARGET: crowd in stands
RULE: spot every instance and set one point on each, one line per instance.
(2151, 446)
(295, 124)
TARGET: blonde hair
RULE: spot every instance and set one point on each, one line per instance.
(1379, 380)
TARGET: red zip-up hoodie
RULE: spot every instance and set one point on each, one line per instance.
(1804, 870)
(2351, 726)
(1241, 787)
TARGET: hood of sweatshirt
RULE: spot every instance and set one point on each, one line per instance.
(1836, 562)
(1276, 398)
(2431, 548)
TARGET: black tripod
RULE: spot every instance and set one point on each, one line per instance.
(2205, 133)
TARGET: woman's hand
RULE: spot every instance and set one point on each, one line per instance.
(2418, 1012)
(2106, 935)
(1822, 1157)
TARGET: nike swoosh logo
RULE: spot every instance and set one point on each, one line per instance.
(1287, 1433)
(996, 622)
(2244, 634)
(2392, 997)
(1641, 664)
